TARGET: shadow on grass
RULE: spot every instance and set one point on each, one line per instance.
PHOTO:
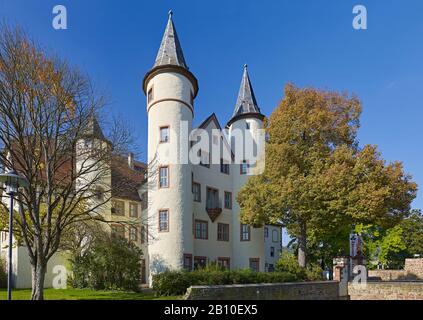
(85, 294)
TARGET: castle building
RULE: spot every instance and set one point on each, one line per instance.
(192, 212)
(182, 214)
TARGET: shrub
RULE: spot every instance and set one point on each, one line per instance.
(3, 274)
(288, 263)
(177, 282)
(109, 264)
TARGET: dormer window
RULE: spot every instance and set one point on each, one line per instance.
(150, 95)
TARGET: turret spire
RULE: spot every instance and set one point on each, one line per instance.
(246, 102)
(170, 52)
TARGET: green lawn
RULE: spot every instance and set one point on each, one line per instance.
(85, 294)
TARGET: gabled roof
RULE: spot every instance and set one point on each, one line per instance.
(246, 104)
(170, 52)
(213, 118)
(209, 119)
(125, 180)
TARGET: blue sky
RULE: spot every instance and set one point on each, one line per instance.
(311, 43)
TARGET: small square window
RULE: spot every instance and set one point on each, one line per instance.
(118, 208)
(164, 134)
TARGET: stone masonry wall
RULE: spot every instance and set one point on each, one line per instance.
(413, 270)
(414, 266)
(326, 290)
(387, 291)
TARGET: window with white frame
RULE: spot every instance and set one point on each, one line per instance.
(196, 191)
(164, 134)
(164, 177)
(245, 232)
(163, 220)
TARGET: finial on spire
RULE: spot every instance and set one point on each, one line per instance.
(245, 66)
(170, 13)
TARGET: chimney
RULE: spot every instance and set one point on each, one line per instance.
(131, 160)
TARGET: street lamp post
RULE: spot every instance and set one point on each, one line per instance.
(13, 182)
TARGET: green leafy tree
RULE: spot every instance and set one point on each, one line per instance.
(316, 178)
(413, 233)
(390, 247)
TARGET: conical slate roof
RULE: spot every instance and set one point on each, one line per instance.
(170, 58)
(170, 52)
(246, 103)
(93, 129)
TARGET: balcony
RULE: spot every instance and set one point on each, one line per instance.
(214, 211)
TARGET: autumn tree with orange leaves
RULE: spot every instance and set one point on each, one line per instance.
(317, 179)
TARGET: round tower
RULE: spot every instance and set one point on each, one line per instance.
(247, 120)
(170, 89)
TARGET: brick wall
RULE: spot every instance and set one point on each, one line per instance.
(326, 290)
(387, 291)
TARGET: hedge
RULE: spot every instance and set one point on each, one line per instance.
(170, 283)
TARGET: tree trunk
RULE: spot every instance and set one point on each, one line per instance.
(38, 276)
(302, 245)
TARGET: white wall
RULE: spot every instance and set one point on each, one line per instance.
(244, 250)
(166, 249)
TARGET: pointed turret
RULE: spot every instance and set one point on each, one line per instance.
(93, 129)
(170, 57)
(170, 52)
(246, 104)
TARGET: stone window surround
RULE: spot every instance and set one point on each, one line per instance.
(168, 177)
(242, 235)
(168, 220)
(223, 238)
(168, 134)
(201, 222)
